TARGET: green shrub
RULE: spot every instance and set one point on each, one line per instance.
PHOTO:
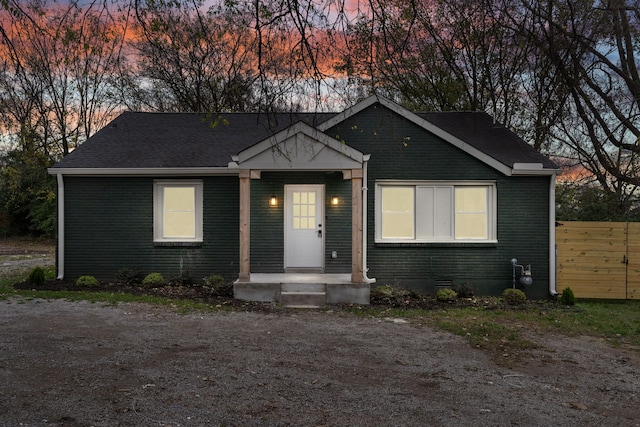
(184, 279)
(129, 275)
(218, 285)
(464, 290)
(384, 291)
(567, 297)
(446, 294)
(153, 279)
(514, 296)
(88, 281)
(36, 276)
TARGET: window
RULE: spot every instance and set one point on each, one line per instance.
(177, 212)
(435, 212)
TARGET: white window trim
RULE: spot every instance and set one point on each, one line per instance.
(158, 186)
(492, 206)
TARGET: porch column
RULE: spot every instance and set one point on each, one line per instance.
(356, 226)
(245, 219)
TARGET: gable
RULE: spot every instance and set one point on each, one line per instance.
(299, 147)
(475, 133)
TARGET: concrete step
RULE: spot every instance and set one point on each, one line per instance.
(303, 287)
(303, 295)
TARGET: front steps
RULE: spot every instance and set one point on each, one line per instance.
(300, 290)
(303, 295)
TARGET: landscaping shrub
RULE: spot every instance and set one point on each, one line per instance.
(88, 281)
(384, 291)
(153, 280)
(464, 290)
(129, 275)
(514, 296)
(184, 279)
(218, 285)
(567, 297)
(36, 276)
(446, 294)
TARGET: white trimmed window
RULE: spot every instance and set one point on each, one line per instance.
(435, 212)
(177, 211)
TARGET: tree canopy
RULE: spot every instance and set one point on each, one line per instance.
(561, 73)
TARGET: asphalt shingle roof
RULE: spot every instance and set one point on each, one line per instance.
(186, 140)
(178, 140)
(479, 130)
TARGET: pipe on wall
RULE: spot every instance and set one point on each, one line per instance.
(553, 290)
(365, 231)
(60, 224)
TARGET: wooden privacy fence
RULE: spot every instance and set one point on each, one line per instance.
(599, 259)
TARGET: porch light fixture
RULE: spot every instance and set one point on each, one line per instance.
(335, 200)
(273, 201)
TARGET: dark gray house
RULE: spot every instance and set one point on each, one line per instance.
(332, 203)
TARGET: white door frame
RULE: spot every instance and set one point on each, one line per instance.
(314, 237)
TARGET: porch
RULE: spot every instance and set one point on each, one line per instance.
(302, 289)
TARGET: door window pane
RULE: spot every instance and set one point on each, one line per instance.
(304, 210)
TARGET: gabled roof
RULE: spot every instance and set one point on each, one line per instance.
(166, 143)
(178, 140)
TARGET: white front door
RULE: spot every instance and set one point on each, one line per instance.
(304, 226)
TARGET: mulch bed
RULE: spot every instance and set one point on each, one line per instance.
(399, 298)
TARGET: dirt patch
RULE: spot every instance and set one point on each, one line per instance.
(82, 364)
(22, 254)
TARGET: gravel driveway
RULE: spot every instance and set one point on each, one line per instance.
(82, 364)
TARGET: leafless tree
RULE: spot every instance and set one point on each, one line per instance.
(594, 47)
(58, 70)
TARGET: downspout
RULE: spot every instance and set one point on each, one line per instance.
(60, 236)
(365, 226)
(552, 236)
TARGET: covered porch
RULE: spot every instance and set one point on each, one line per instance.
(304, 151)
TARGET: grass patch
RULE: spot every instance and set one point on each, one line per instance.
(504, 332)
(500, 330)
(114, 298)
(110, 298)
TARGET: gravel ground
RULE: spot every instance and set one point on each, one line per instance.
(82, 364)
(17, 256)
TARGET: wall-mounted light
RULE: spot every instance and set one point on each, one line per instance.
(273, 201)
(335, 201)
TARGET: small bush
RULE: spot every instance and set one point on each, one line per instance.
(464, 290)
(394, 295)
(184, 279)
(218, 285)
(129, 275)
(384, 291)
(153, 280)
(36, 276)
(88, 281)
(446, 294)
(514, 296)
(567, 297)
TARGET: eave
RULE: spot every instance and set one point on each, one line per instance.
(201, 171)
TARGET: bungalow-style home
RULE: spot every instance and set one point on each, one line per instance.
(311, 205)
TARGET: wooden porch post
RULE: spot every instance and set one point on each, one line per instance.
(245, 219)
(356, 226)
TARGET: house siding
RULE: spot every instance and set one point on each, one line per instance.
(109, 226)
(401, 150)
(267, 222)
